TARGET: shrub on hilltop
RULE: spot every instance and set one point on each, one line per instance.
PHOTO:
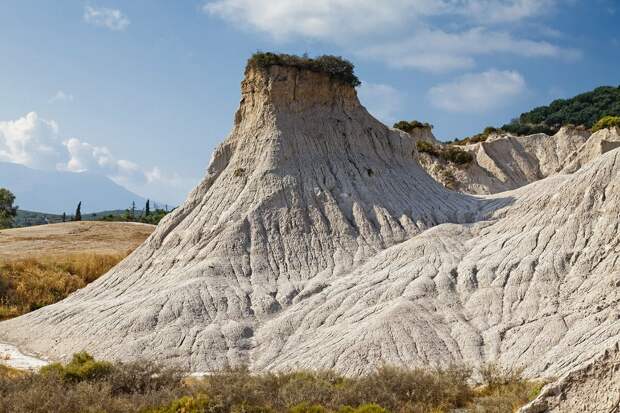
(481, 137)
(336, 67)
(410, 126)
(606, 122)
(448, 153)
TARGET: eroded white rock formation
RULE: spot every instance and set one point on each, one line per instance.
(316, 240)
(594, 387)
(504, 162)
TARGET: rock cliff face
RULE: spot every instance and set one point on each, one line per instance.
(317, 240)
(505, 162)
(599, 143)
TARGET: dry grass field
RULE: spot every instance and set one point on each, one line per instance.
(109, 238)
(42, 265)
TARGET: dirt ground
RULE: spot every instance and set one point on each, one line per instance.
(72, 237)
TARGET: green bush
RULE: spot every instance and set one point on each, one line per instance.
(410, 126)
(481, 137)
(606, 122)
(456, 155)
(523, 129)
(82, 367)
(427, 147)
(336, 67)
(448, 153)
(308, 408)
(364, 408)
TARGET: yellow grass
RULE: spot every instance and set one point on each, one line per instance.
(30, 283)
(10, 373)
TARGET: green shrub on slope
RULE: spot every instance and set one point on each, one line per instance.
(607, 122)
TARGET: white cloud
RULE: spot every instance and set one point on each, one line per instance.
(502, 11)
(382, 101)
(112, 19)
(440, 51)
(477, 92)
(319, 19)
(376, 29)
(326, 19)
(30, 141)
(35, 142)
(61, 96)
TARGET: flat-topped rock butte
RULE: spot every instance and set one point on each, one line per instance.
(316, 240)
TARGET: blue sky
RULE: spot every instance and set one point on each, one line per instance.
(142, 91)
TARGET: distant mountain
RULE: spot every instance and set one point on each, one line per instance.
(56, 192)
(584, 109)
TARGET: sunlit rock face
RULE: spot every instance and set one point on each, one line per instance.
(504, 162)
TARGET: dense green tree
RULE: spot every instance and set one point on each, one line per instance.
(78, 212)
(147, 208)
(7, 210)
(584, 109)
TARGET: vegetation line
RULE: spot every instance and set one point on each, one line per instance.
(88, 385)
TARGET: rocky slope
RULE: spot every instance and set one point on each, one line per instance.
(592, 388)
(317, 240)
(599, 143)
(504, 162)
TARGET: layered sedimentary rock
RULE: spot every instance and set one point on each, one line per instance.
(317, 240)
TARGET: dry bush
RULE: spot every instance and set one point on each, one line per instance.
(505, 390)
(394, 389)
(28, 284)
(7, 372)
(88, 385)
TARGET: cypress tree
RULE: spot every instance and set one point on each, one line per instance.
(147, 208)
(78, 212)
